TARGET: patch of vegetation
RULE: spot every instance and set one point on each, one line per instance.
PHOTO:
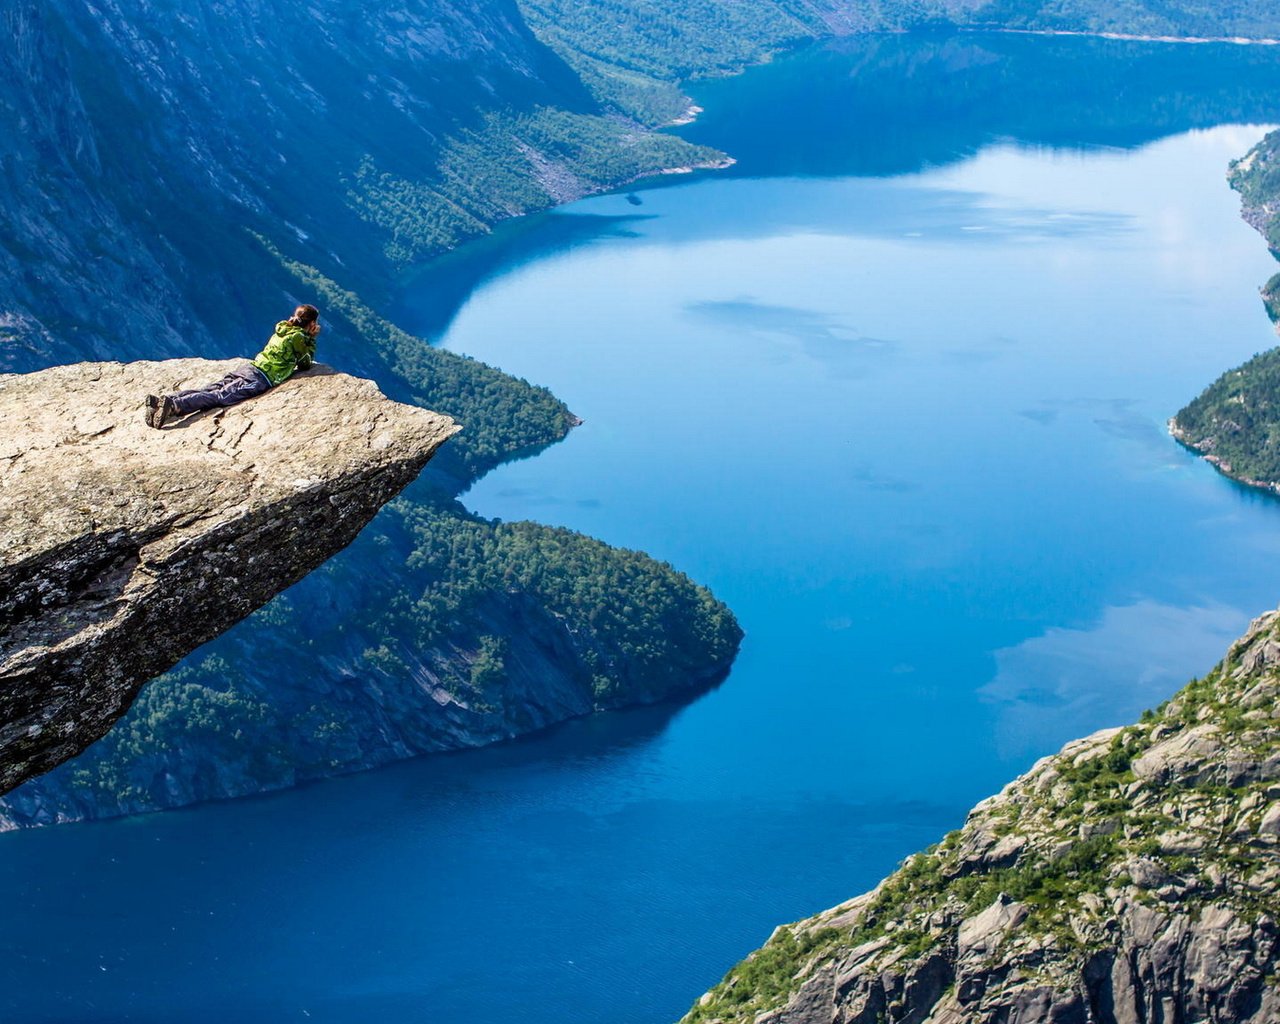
(232, 724)
(1237, 420)
(767, 978)
(510, 164)
(635, 618)
(1271, 298)
(1256, 176)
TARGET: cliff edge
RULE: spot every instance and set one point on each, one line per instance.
(125, 547)
(1131, 878)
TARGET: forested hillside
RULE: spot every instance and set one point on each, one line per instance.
(1235, 421)
(1256, 176)
(1245, 18)
(634, 55)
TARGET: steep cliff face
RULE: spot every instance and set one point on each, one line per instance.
(150, 141)
(126, 547)
(1132, 878)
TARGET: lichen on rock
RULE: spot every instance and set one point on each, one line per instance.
(125, 547)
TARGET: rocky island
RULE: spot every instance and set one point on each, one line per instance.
(1130, 878)
(125, 547)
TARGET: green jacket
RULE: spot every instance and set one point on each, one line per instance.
(290, 348)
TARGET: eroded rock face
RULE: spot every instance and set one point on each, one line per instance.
(124, 547)
(1132, 878)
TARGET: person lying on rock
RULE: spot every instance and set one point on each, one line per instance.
(292, 347)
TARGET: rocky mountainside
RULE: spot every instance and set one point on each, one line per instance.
(152, 143)
(126, 547)
(1131, 878)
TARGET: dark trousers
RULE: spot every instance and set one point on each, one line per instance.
(241, 383)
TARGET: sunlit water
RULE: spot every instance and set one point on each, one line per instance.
(911, 428)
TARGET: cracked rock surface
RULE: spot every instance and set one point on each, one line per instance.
(124, 547)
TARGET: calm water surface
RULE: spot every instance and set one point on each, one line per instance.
(899, 399)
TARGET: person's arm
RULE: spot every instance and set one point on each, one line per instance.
(306, 356)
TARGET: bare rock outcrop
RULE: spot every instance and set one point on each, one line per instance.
(124, 547)
(1132, 878)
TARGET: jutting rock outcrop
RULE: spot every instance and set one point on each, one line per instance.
(124, 547)
(1132, 878)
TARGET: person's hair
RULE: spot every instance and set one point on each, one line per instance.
(304, 315)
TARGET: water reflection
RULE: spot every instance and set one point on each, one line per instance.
(820, 336)
(895, 104)
(1069, 681)
(898, 104)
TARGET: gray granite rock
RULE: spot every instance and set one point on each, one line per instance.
(125, 547)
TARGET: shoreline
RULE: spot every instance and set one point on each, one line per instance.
(690, 115)
(1126, 36)
(1204, 451)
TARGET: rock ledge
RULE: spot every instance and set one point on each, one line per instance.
(125, 547)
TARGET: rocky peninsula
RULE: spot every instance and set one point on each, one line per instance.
(125, 547)
(1129, 878)
(1235, 422)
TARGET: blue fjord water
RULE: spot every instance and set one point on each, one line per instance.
(899, 399)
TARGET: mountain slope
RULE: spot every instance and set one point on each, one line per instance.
(1130, 878)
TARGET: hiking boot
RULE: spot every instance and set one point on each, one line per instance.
(160, 409)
